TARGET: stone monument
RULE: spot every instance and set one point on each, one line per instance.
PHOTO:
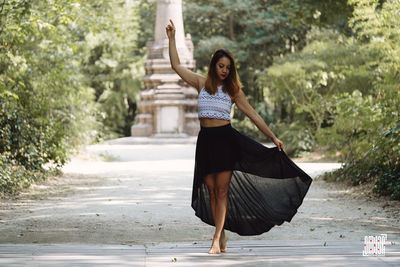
(167, 106)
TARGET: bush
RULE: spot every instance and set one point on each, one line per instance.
(347, 89)
(356, 118)
(297, 137)
(45, 108)
(14, 177)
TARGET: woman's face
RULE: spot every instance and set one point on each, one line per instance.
(223, 68)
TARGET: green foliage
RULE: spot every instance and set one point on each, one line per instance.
(39, 61)
(345, 91)
(206, 47)
(384, 162)
(355, 124)
(297, 137)
(376, 24)
(378, 165)
(15, 177)
(114, 68)
(300, 87)
(51, 100)
(264, 30)
(254, 38)
(256, 31)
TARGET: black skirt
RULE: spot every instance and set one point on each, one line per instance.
(266, 188)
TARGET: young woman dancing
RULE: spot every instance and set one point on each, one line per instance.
(239, 184)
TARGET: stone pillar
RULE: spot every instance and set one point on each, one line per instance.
(167, 106)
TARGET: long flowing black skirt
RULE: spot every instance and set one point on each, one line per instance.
(266, 188)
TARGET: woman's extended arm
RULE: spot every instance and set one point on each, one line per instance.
(244, 105)
(192, 78)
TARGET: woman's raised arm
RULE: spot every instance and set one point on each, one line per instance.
(192, 78)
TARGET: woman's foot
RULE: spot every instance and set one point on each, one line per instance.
(222, 242)
(215, 248)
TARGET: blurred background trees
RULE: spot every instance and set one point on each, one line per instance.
(69, 74)
(323, 74)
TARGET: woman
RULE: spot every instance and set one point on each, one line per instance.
(239, 184)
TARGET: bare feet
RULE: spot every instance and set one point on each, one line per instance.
(222, 242)
(215, 249)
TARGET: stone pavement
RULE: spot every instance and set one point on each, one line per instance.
(241, 253)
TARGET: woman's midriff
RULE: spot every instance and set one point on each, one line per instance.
(205, 122)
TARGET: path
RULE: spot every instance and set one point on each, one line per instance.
(254, 253)
(139, 195)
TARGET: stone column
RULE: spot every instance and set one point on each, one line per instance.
(167, 106)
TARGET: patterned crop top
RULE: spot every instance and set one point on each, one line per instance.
(217, 106)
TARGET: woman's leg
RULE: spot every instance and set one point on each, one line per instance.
(222, 181)
(209, 180)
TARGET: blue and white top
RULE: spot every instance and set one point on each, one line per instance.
(217, 106)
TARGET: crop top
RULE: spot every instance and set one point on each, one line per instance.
(217, 106)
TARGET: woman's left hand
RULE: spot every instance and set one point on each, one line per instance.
(278, 143)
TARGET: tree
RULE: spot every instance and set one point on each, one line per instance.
(114, 66)
(45, 109)
(347, 89)
(256, 31)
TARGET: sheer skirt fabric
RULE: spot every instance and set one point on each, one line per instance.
(266, 188)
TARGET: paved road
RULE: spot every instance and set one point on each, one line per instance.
(135, 199)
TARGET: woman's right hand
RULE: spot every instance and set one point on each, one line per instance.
(278, 143)
(170, 29)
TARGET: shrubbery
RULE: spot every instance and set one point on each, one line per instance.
(344, 91)
(50, 103)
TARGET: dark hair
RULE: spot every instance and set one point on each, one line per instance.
(231, 83)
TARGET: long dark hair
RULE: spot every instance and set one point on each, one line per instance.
(231, 83)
